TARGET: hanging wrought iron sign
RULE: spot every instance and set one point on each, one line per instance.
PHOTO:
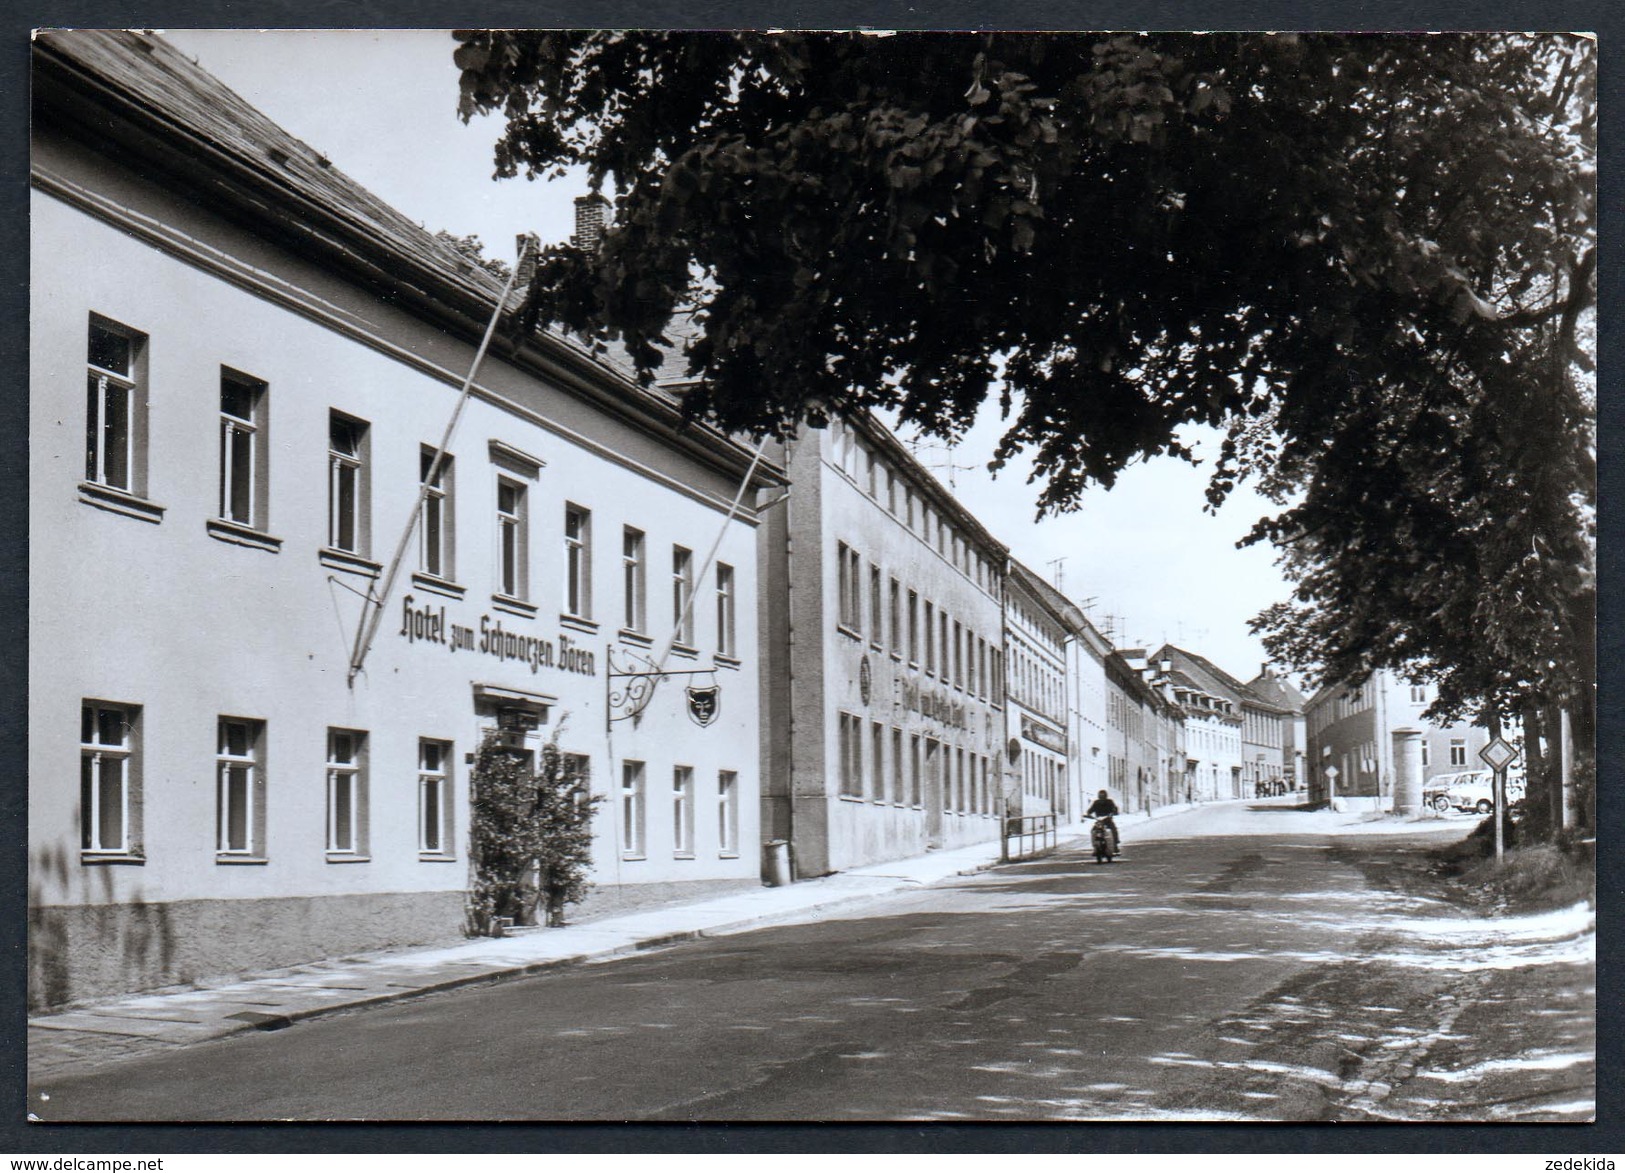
(630, 685)
(704, 703)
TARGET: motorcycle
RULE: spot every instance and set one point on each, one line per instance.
(1103, 838)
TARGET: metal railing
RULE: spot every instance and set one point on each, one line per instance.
(1028, 837)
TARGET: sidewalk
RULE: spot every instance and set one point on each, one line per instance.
(145, 1023)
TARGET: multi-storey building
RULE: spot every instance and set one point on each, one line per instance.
(883, 662)
(1259, 759)
(243, 369)
(1143, 737)
(1351, 728)
(1088, 729)
(1037, 627)
(1285, 696)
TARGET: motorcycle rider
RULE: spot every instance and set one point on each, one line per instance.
(1105, 809)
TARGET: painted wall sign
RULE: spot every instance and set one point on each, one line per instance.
(1045, 736)
(429, 624)
(938, 706)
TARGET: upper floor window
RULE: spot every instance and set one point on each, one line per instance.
(877, 603)
(242, 450)
(513, 539)
(114, 406)
(435, 544)
(634, 578)
(849, 586)
(682, 595)
(577, 561)
(347, 511)
(1458, 751)
(109, 780)
(913, 628)
(725, 610)
(896, 616)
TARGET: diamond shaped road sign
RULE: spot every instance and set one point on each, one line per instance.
(1498, 754)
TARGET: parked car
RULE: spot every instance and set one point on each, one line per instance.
(1469, 790)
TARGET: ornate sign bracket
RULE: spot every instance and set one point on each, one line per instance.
(631, 685)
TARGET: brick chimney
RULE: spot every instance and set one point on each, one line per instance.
(590, 211)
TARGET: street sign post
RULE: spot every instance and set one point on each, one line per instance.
(1498, 755)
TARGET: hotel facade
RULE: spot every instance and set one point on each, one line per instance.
(243, 370)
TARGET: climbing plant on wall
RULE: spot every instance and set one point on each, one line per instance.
(530, 839)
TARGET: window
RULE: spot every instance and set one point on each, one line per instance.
(577, 561)
(930, 640)
(434, 798)
(346, 793)
(899, 781)
(891, 492)
(895, 612)
(849, 588)
(435, 532)
(634, 577)
(942, 647)
(913, 629)
(239, 789)
(1458, 751)
(996, 661)
(725, 610)
(915, 778)
(114, 406)
(109, 780)
(1419, 693)
(876, 608)
(682, 812)
(632, 841)
(682, 594)
(851, 774)
(877, 751)
(727, 813)
(973, 649)
(1424, 753)
(959, 654)
(242, 472)
(513, 540)
(347, 513)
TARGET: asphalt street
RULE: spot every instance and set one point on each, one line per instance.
(1245, 973)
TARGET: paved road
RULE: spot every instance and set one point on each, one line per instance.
(1242, 975)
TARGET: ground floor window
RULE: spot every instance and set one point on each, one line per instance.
(851, 772)
(682, 813)
(434, 798)
(727, 813)
(346, 794)
(632, 810)
(239, 794)
(109, 779)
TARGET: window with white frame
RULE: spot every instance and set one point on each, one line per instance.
(346, 794)
(930, 639)
(1458, 751)
(725, 610)
(577, 561)
(435, 805)
(114, 406)
(634, 581)
(682, 595)
(109, 780)
(632, 794)
(727, 813)
(435, 531)
(513, 539)
(347, 485)
(239, 789)
(242, 450)
(682, 811)
(895, 628)
(913, 629)
(1419, 693)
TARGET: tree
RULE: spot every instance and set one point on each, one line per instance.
(473, 248)
(1366, 258)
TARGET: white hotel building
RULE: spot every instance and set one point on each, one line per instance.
(242, 367)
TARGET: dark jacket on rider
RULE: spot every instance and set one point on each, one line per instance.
(1101, 808)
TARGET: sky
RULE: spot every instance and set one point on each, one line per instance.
(1146, 560)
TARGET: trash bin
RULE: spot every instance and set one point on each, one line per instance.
(776, 863)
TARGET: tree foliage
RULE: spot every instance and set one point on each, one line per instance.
(1367, 258)
(531, 837)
